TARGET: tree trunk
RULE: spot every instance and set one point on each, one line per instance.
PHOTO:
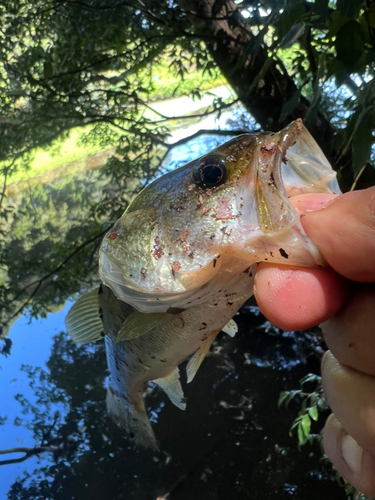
(261, 83)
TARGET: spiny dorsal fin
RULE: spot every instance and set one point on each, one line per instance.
(197, 358)
(172, 387)
(82, 322)
(230, 328)
(137, 324)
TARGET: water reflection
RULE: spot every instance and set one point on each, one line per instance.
(231, 442)
(232, 439)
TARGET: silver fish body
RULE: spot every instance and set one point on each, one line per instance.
(157, 354)
(181, 261)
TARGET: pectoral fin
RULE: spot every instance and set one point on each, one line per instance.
(172, 387)
(230, 328)
(137, 324)
(83, 322)
(197, 358)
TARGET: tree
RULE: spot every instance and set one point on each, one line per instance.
(90, 63)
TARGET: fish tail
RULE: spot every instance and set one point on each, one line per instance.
(132, 418)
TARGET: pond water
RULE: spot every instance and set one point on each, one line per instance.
(232, 442)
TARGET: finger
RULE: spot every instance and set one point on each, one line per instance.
(351, 395)
(311, 202)
(350, 333)
(344, 232)
(354, 463)
(298, 298)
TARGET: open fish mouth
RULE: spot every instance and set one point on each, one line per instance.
(289, 163)
(304, 167)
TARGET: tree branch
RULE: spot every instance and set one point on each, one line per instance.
(205, 132)
(30, 452)
(51, 273)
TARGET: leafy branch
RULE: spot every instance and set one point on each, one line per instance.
(312, 403)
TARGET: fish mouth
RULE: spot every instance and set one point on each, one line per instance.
(304, 167)
(289, 163)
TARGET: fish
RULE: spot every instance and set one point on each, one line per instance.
(181, 261)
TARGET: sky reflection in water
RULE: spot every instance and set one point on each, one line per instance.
(232, 442)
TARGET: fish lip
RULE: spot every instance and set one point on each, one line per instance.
(280, 142)
(289, 136)
(304, 163)
(289, 163)
(299, 165)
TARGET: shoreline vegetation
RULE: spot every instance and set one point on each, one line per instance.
(73, 154)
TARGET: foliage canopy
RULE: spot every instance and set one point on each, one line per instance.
(65, 64)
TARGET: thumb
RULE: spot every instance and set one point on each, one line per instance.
(344, 232)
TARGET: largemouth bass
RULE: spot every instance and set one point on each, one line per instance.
(181, 260)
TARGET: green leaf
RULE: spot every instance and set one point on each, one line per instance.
(321, 7)
(310, 377)
(282, 398)
(350, 43)
(290, 105)
(337, 22)
(349, 8)
(362, 140)
(295, 32)
(313, 412)
(322, 404)
(371, 18)
(313, 398)
(296, 423)
(337, 69)
(287, 396)
(306, 425)
(293, 14)
(301, 436)
(47, 70)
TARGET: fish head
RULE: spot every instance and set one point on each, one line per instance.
(229, 205)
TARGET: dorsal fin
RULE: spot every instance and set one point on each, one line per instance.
(138, 323)
(83, 322)
(172, 387)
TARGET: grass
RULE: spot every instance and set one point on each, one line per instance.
(60, 152)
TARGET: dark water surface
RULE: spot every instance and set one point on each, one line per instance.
(232, 442)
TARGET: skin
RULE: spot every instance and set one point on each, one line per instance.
(341, 298)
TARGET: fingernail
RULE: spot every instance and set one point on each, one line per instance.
(351, 453)
(313, 202)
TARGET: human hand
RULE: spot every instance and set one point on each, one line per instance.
(342, 300)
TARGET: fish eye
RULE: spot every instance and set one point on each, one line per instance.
(210, 172)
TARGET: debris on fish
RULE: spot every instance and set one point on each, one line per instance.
(230, 328)
(181, 261)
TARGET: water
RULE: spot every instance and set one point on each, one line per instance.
(32, 346)
(232, 442)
